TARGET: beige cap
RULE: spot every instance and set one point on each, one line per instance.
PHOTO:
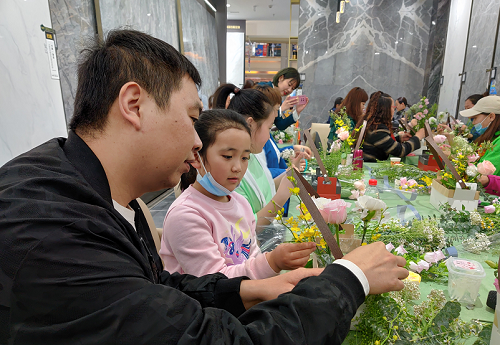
(487, 105)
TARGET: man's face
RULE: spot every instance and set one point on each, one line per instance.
(171, 138)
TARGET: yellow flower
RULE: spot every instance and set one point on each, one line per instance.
(395, 337)
(363, 244)
(295, 190)
(377, 342)
(291, 178)
(307, 216)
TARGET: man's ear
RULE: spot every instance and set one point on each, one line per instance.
(129, 101)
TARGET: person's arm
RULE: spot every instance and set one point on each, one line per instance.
(491, 184)
(283, 123)
(277, 202)
(385, 143)
(190, 238)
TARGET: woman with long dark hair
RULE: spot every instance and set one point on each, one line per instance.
(354, 104)
(379, 141)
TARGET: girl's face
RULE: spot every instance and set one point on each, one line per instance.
(260, 131)
(227, 158)
(286, 86)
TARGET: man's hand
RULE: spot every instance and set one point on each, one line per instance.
(383, 270)
(256, 291)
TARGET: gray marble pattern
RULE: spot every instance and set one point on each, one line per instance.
(74, 22)
(155, 17)
(378, 45)
(200, 43)
(479, 53)
(435, 52)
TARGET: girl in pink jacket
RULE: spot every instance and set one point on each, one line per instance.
(210, 228)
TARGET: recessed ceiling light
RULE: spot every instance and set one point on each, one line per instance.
(149, 14)
(228, 5)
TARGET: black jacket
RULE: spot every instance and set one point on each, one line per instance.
(379, 144)
(74, 271)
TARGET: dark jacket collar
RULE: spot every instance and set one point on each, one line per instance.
(87, 163)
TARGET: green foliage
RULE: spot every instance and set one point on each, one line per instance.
(384, 168)
(388, 320)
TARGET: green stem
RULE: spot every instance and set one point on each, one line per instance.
(365, 227)
(337, 233)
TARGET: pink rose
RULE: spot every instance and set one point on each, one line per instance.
(280, 141)
(486, 168)
(439, 255)
(335, 211)
(426, 102)
(472, 158)
(360, 185)
(426, 111)
(420, 106)
(412, 183)
(343, 135)
(439, 139)
(389, 246)
(354, 194)
(418, 267)
(489, 209)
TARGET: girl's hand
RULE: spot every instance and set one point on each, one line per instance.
(298, 160)
(484, 180)
(302, 106)
(304, 149)
(289, 102)
(289, 256)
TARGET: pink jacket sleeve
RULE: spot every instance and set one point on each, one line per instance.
(190, 240)
(493, 186)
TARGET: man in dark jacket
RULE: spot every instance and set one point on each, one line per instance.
(77, 262)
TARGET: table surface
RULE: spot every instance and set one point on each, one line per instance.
(424, 208)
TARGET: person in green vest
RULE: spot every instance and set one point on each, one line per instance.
(485, 116)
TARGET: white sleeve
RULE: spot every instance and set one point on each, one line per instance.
(351, 266)
(296, 115)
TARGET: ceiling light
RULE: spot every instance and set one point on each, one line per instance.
(474, 46)
(228, 5)
(377, 53)
(210, 5)
(149, 14)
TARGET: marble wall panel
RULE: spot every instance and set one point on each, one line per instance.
(480, 47)
(436, 49)
(74, 23)
(155, 17)
(200, 43)
(378, 45)
(32, 110)
(456, 39)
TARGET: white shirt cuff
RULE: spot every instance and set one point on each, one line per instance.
(356, 271)
(295, 115)
(280, 113)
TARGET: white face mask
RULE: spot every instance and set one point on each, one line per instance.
(208, 182)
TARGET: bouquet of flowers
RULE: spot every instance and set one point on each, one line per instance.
(465, 157)
(282, 136)
(345, 140)
(421, 112)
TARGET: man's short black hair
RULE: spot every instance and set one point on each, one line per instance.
(125, 55)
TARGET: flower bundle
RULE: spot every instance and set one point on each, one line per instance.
(344, 131)
(465, 157)
(421, 112)
(283, 136)
(411, 185)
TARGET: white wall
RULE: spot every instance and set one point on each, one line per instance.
(235, 58)
(456, 41)
(272, 28)
(31, 109)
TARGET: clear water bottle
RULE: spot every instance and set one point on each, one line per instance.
(372, 189)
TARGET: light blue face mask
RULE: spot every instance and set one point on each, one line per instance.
(478, 129)
(210, 185)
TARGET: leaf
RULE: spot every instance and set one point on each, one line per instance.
(484, 336)
(441, 322)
